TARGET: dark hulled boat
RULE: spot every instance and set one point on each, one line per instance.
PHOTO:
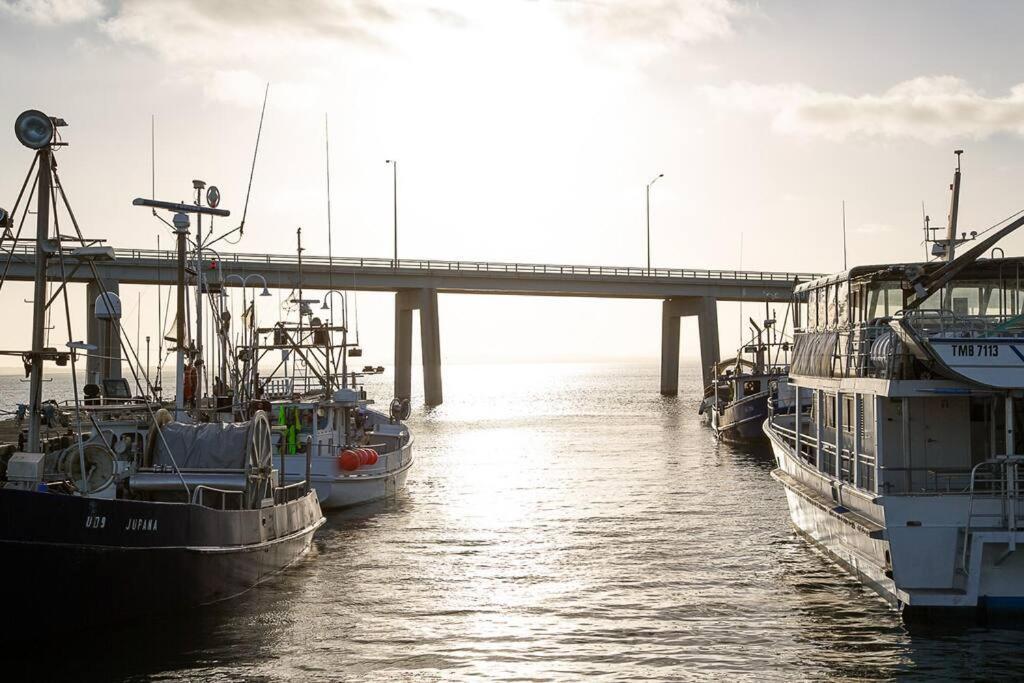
(736, 403)
(128, 511)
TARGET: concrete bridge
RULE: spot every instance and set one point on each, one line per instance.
(417, 282)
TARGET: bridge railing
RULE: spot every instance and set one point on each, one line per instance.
(433, 265)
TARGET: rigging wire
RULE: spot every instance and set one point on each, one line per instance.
(121, 332)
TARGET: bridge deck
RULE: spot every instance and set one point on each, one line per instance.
(151, 266)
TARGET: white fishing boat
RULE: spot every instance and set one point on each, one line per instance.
(905, 469)
(319, 406)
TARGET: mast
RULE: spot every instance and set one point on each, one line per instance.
(298, 239)
(954, 208)
(45, 156)
(181, 230)
(330, 255)
(181, 225)
(198, 186)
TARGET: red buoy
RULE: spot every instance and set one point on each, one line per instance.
(349, 461)
(373, 457)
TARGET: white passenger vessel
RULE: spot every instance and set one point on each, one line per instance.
(905, 468)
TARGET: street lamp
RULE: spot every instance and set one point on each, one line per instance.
(344, 334)
(252, 323)
(394, 196)
(660, 175)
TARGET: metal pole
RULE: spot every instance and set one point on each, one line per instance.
(394, 197)
(648, 214)
(39, 302)
(1010, 445)
(179, 387)
(199, 362)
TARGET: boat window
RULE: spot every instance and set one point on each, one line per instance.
(842, 302)
(830, 306)
(848, 417)
(822, 308)
(856, 305)
(830, 411)
(812, 310)
(884, 299)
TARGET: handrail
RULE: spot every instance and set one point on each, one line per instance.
(431, 265)
(197, 497)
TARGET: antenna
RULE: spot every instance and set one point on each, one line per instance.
(152, 155)
(741, 302)
(330, 250)
(844, 234)
(924, 223)
(255, 151)
(252, 171)
(954, 210)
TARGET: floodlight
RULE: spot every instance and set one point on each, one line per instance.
(34, 129)
(213, 197)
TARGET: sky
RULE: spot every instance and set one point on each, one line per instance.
(527, 130)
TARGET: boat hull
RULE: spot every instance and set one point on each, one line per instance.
(912, 556)
(741, 421)
(337, 489)
(109, 560)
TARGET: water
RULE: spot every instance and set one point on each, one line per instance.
(560, 521)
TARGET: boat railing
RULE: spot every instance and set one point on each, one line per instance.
(782, 425)
(944, 322)
(200, 492)
(229, 261)
(290, 492)
(870, 350)
(997, 477)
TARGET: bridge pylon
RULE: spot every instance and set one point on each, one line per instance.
(706, 310)
(424, 301)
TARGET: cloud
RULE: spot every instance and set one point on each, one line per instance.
(239, 30)
(245, 88)
(663, 22)
(873, 228)
(931, 109)
(52, 12)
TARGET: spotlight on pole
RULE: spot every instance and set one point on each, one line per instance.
(34, 129)
(5, 218)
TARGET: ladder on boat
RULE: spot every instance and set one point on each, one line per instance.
(1006, 485)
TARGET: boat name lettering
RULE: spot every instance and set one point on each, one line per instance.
(981, 350)
(95, 522)
(137, 524)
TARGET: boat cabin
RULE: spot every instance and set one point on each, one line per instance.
(903, 382)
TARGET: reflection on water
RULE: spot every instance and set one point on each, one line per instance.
(561, 520)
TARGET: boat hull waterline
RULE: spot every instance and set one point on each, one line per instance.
(81, 549)
(921, 541)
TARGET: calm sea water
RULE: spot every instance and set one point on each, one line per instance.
(560, 521)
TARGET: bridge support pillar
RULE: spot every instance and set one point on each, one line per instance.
(706, 310)
(424, 301)
(105, 361)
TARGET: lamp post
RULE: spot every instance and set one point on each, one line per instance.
(265, 292)
(344, 332)
(648, 212)
(394, 197)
